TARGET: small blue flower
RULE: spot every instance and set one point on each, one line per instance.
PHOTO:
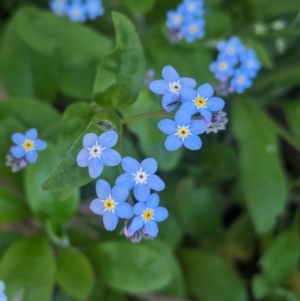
(194, 29)
(232, 48)
(223, 67)
(241, 81)
(193, 7)
(175, 19)
(27, 145)
(3, 297)
(203, 102)
(76, 11)
(172, 87)
(97, 152)
(250, 63)
(59, 6)
(94, 8)
(140, 177)
(182, 131)
(147, 215)
(111, 204)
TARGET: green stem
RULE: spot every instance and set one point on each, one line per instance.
(146, 115)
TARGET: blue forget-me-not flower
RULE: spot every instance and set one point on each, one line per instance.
(59, 6)
(97, 152)
(140, 177)
(172, 87)
(76, 11)
(94, 8)
(3, 297)
(111, 204)
(182, 131)
(147, 215)
(27, 145)
(241, 80)
(223, 67)
(202, 101)
(193, 29)
(250, 63)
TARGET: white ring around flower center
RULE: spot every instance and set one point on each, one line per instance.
(174, 87)
(140, 177)
(183, 132)
(96, 151)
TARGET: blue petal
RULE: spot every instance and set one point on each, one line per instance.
(31, 134)
(40, 144)
(205, 113)
(151, 228)
(89, 140)
(130, 165)
(149, 165)
(108, 139)
(188, 93)
(83, 158)
(110, 220)
(95, 167)
(124, 210)
(120, 192)
(198, 127)
(156, 183)
(170, 74)
(110, 157)
(159, 86)
(192, 142)
(31, 156)
(189, 107)
(172, 143)
(18, 138)
(187, 82)
(205, 91)
(141, 192)
(102, 189)
(97, 206)
(215, 104)
(160, 214)
(136, 224)
(167, 126)
(152, 201)
(18, 151)
(127, 179)
(169, 101)
(139, 208)
(182, 118)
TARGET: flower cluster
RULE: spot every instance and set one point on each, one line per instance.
(235, 66)
(186, 21)
(25, 150)
(3, 297)
(76, 10)
(199, 111)
(141, 215)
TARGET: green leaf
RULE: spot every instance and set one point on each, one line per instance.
(28, 270)
(13, 207)
(58, 206)
(218, 24)
(197, 210)
(74, 273)
(121, 74)
(210, 278)
(143, 269)
(151, 139)
(292, 114)
(262, 177)
(67, 174)
(139, 6)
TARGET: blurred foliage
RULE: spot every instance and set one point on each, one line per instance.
(233, 227)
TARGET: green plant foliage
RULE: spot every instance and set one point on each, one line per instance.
(79, 283)
(121, 73)
(23, 269)
(260, 165)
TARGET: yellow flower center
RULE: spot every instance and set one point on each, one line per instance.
(223, 66)
(193, 28)
(109, 204)
(28, 145)
(241, 79)
(177, 19)
(200, 102)
(148, 214)
(183, 132)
